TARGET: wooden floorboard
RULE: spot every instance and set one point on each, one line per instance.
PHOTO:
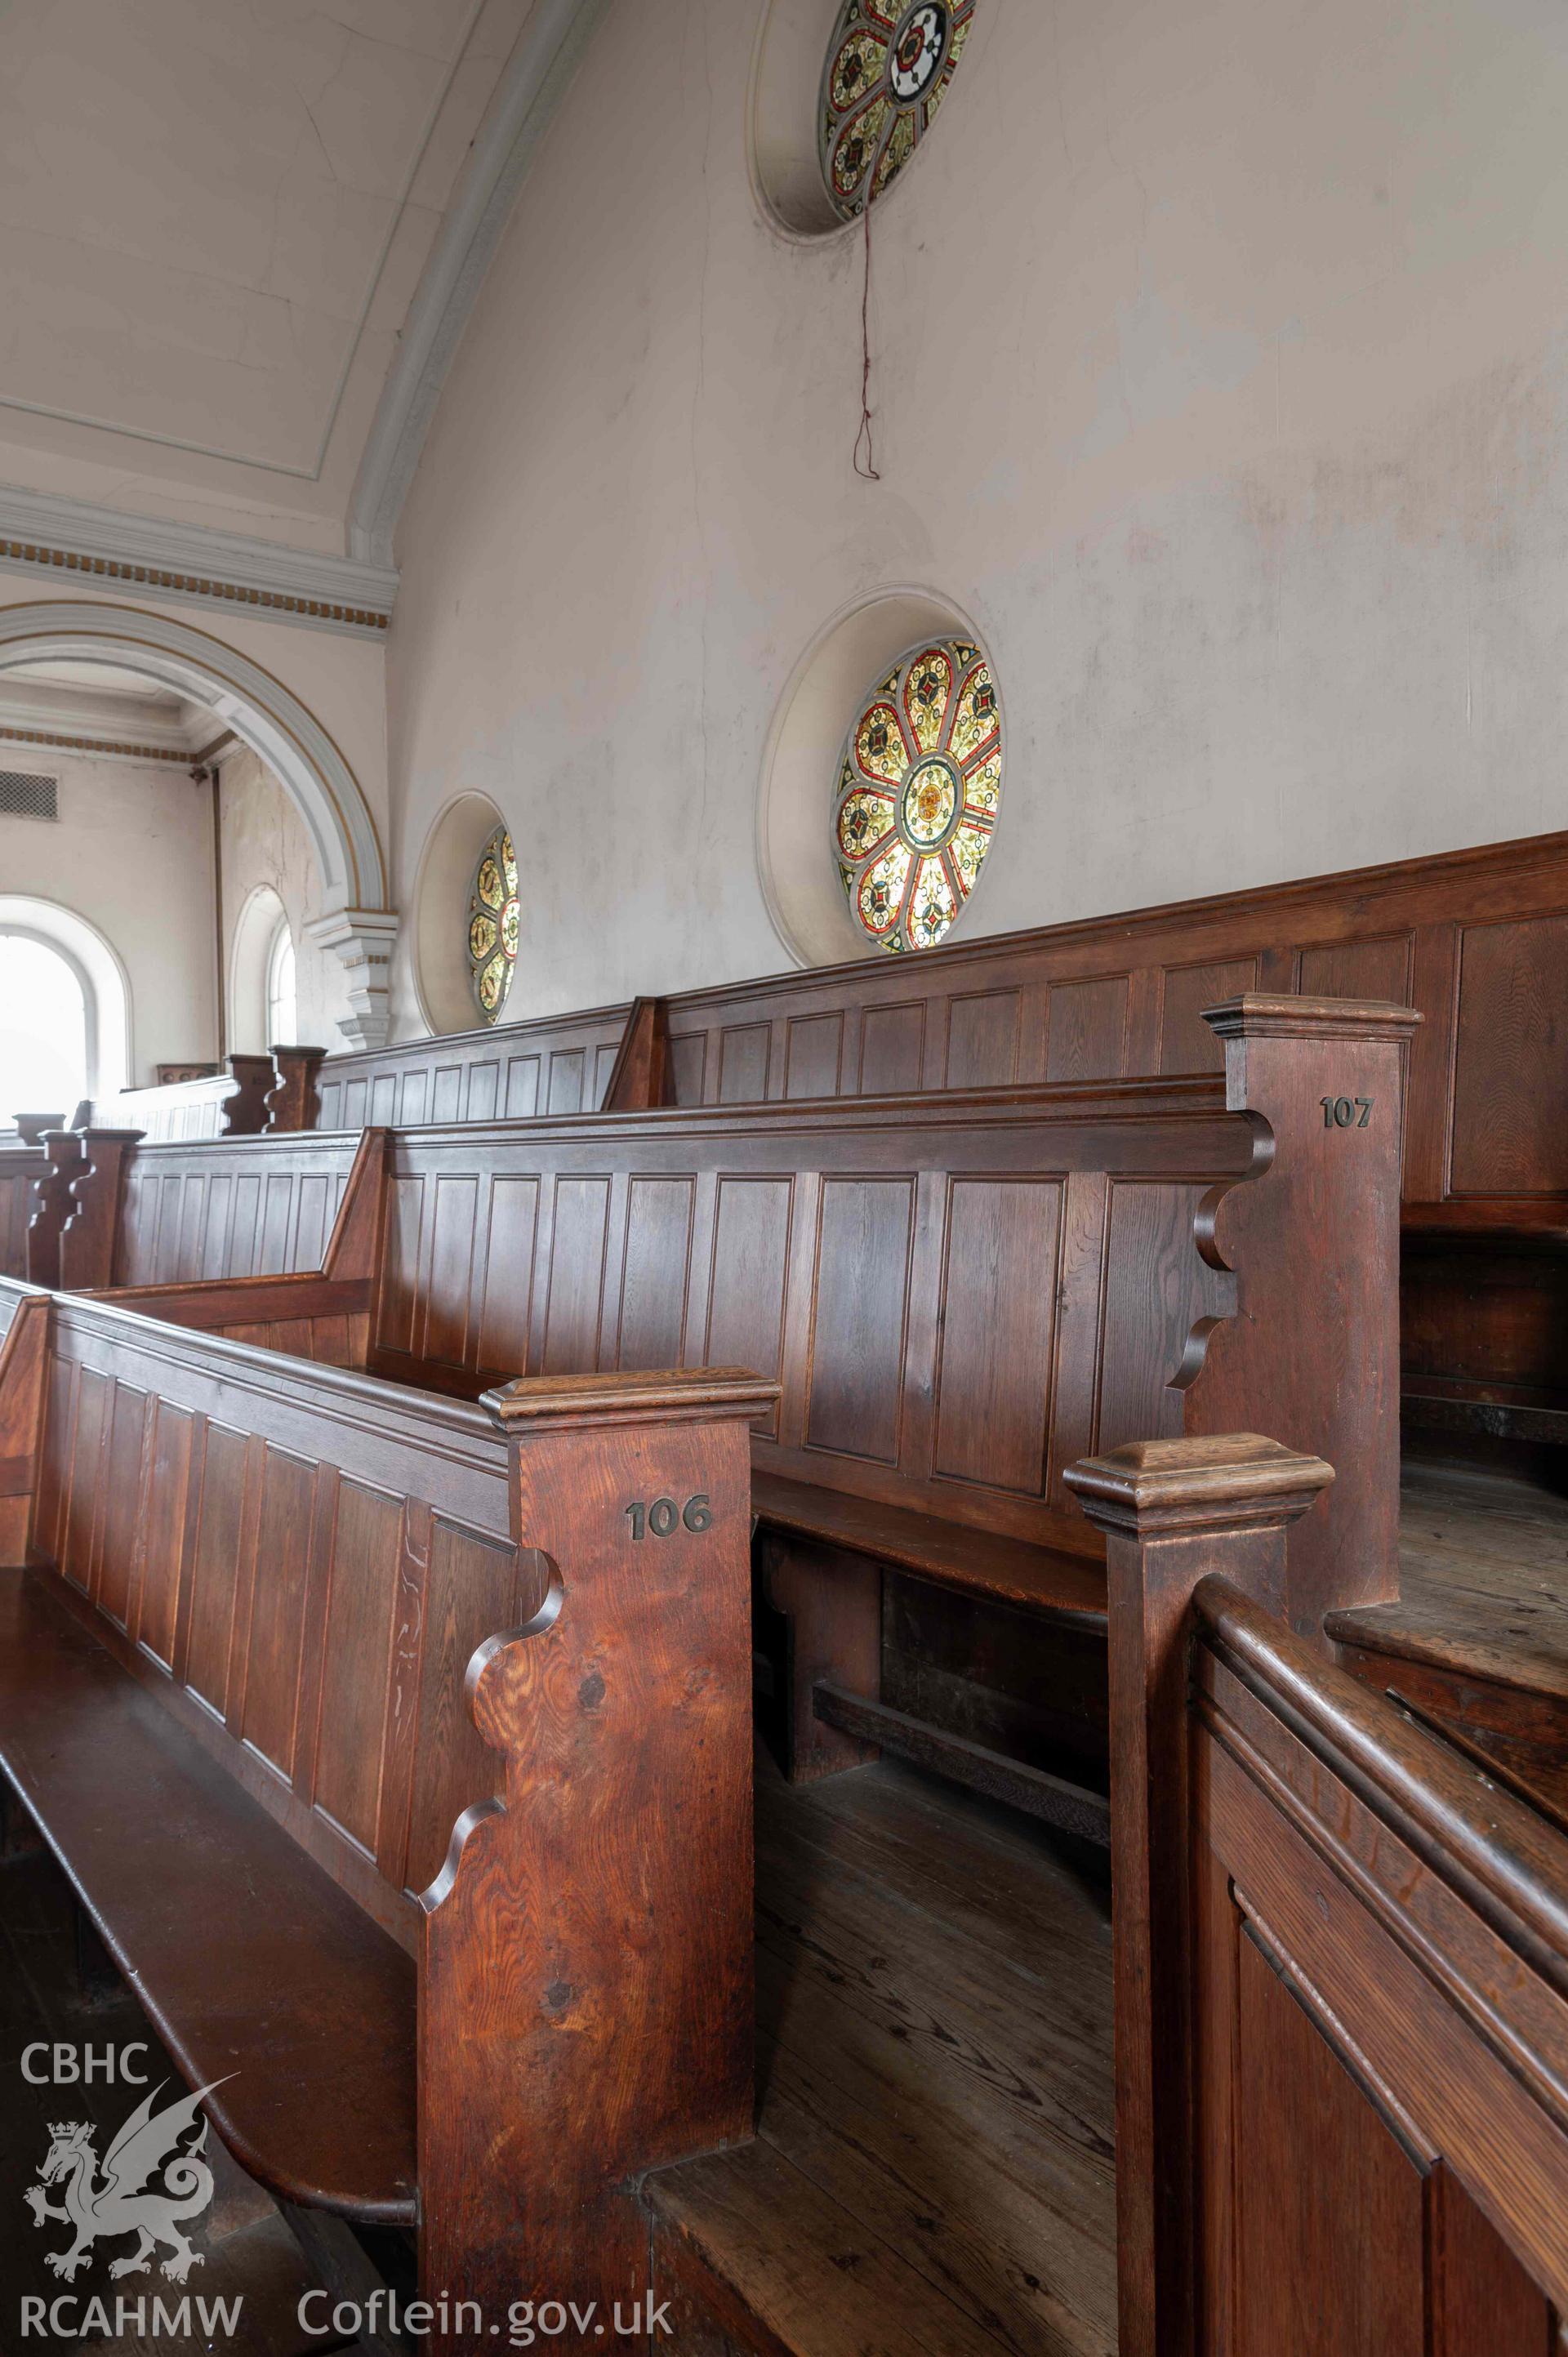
(1484, 1577)
(933, 2170)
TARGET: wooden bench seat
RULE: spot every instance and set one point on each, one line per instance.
(1047, 1580)
(409, 1788)
(256, 1968)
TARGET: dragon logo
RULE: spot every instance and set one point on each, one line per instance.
(125, 2201)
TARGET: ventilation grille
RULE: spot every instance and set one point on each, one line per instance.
(24, 796)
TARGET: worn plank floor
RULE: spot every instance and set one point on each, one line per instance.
(1483, 1575)
(934, 2169)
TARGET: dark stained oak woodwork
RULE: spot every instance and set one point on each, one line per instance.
(292, 1102)
(50, 1206)
(400, 1674)
(22, 1166)
(957, 1295)
(231, 1103)
(1341, 1958)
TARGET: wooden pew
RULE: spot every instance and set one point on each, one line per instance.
(259, 1591)
(1341, 1961)
(958, 1295)
(555, 1064)
(21, 1168)
(1476, 940)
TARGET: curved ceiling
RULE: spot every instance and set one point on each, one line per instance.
(214, 217)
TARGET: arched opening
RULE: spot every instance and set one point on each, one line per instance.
(355, 925)
(442, 966)
(254, 974)
(64, 1010)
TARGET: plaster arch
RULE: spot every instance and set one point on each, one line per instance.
(356, 924)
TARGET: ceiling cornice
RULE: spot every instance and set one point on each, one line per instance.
(44, 530)
(542, 63)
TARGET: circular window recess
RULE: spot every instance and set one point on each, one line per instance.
(442, 966)
(842, 92)
(800, 794)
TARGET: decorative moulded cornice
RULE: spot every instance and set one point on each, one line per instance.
(44, 532)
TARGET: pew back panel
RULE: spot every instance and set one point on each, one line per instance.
(237, 1207)
(559, 1064)
(302, 1560)
(1478, 939)
(21, 1168)
(951, 1295)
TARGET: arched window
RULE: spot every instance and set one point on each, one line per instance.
(493, 919)
(919, 783)
(65, 1030)
(43, 1028)
(282, 1020)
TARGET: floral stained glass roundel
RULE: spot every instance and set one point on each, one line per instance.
(492, 925)
(887, 70)
(919, 784)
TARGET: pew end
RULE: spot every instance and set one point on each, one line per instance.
(1340, 1960)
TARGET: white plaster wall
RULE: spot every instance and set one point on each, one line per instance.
(264, 842)
(131, 853)
(1220, 373)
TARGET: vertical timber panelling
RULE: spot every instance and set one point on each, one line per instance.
(1155, 1289)
(575, 1284)
(813, 1057)
(356, 1640)
(1302, 2283)
(511, 1228)
(655, 1274)
(272, 1642)
(1187, 1043)
(983, 1032)
(753, 1219)
(865, 1238)
(208, 1612)
(892, 1050)
(1510, 1073)
(1000, 1284)
(471, 1592)
(163, 1545)
(1087, 1037)
(743, 1063)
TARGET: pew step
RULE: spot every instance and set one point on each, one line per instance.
(1071, 1808)
(230, 1936)
(1478, 1642)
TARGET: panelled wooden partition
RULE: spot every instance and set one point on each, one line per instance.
(1476, 940)
(1341, 1966)
(310, 1628)
(957, 1294)
(21, 1168)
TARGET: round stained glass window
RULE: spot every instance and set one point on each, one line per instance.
(919, 787)
(887, 70)
(493, 924)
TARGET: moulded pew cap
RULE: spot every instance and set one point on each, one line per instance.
(662, 1396)
(1286, 1015)
(1225, 1481)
